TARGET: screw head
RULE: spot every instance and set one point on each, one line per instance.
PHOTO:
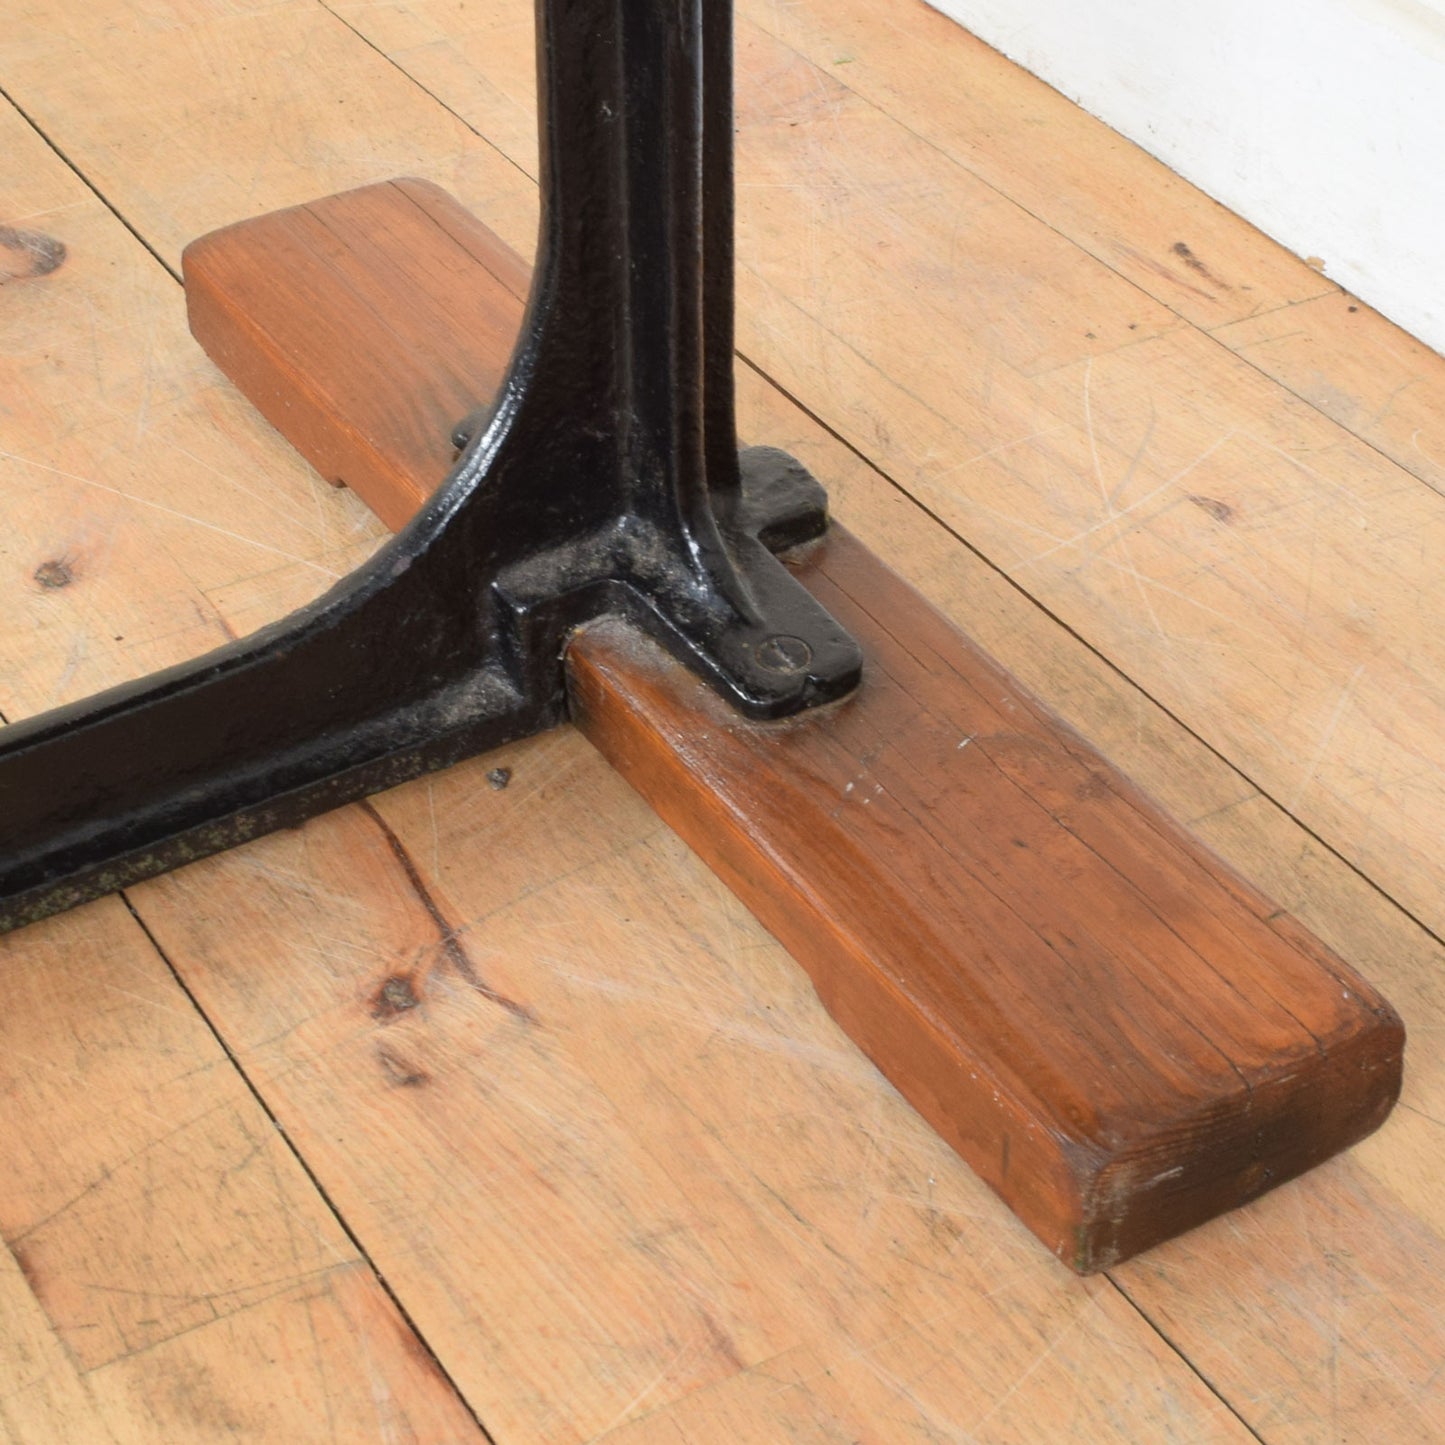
(784, 654)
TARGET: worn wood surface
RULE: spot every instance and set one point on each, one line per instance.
(1114, 1033)
(864, 1284)
(283, 305)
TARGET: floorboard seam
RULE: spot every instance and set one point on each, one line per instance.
(310, 1174)
(1095, 652)
(90, 185)
(1193, 1368)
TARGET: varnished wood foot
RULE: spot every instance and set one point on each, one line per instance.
(1121, 1037)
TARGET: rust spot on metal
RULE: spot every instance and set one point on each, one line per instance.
(24, 255)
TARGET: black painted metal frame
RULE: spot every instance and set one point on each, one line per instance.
(604, 479)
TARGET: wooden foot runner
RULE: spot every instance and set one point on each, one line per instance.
(1119, 1035)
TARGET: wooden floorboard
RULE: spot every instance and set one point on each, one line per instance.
(670, 1202)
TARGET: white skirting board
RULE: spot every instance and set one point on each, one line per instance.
(1321, 121)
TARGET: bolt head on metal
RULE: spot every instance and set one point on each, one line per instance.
(784, 654)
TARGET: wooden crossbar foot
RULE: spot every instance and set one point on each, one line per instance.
(1119, 1035)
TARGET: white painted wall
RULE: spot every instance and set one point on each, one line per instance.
(1322, 121)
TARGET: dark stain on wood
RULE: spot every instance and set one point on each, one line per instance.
(451, 945)
(26, 255)
(399, 1071)
(395, 997)
(722, 1342)
(1181, 249)
(1220, 511)
(54, 574)
(191, 1389)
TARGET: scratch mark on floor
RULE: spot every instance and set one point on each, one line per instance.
(167, 511)
(1326, 738)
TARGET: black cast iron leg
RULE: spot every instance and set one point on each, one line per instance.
(605, 478)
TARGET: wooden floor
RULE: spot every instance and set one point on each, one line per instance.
(1169, 474)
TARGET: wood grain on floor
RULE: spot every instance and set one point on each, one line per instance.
(1156, 466)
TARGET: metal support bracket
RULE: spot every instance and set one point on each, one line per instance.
(605, 480)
